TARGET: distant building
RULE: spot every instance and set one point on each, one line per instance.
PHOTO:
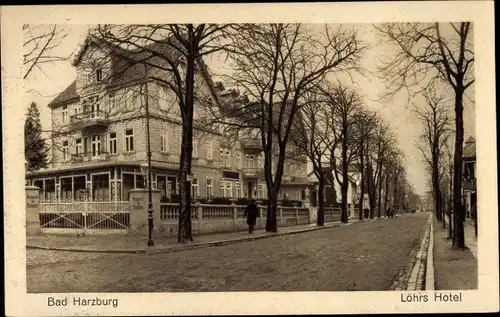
(469, 175)
(332, 193)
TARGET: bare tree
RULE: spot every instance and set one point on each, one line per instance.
(313, 138)
(276, 65)
(40, 42)
(172, 56)
(366, 123)
(434, 117)
(345, 106)
(383, 141)
(427, 54)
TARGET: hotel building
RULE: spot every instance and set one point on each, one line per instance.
(99, 137)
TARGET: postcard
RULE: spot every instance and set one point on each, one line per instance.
(298, 158)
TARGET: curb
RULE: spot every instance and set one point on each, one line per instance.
(429, 268)
(189, 246)
(419, 267)
(180, 248)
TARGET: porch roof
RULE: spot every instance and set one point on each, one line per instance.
(86, 166)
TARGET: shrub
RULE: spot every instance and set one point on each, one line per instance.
(291, 203)
(203, 200)
(242, 201)
(220, 201)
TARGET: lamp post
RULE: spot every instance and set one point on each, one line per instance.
(146, 171)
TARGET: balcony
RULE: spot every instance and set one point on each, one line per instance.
(252, 172)
(89, 119)
(90, 157)
(251, 145)
(469, 184)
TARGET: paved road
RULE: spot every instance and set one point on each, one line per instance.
(362, 256)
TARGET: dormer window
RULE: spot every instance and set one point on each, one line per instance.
(99, 74)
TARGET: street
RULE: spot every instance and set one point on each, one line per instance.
(358, 257)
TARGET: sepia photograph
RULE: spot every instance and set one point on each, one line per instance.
(251, 157)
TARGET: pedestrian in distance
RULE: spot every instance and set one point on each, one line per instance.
(390, 212)
(251, 213)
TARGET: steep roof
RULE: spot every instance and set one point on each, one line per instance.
(67, 95)
(127, 65)
(469, 151)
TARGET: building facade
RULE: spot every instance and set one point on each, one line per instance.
(469, 176)
(99, 139)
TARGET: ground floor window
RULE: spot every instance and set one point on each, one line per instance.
(49, 192)
(166, 185)
(260, 191)
(101, 187)
(226, 189)
(66, 188)
(128, 183)
(238, 190)
(194, 188)
(209, 188)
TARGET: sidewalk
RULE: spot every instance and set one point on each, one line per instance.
(136, 244)
(469, 236)
(454, 269)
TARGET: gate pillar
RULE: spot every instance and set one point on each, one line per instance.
(32, 210)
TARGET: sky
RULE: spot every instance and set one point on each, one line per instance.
(44, 85)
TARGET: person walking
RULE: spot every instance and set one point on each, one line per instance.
(251, 213)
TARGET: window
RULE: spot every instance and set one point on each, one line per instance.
(260, 162)
(209, 150)
(96, 145)
(98, 74)
(65, 150)
(238, 160)
(195, 148)
(77, 109)
(209, 188)
(65, 114)
(194, 188)
(162, 98)
(225, 156)
(228, 158)
(249, 162)
(261, 191)
(112, 143)
(129, 140)
(226, 189)
(164, 141)
(78, 147)
(239, 191)
(111, 102)
(132, 102)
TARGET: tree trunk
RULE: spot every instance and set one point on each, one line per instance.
(185, 232)
(379, 195)
(362, 178)
(272, 203)
(386, 191)
(320, 220)
(458, 238)
(343, 190)
(344, 186)
(371, 189)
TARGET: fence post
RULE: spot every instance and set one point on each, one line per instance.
(235, 215)
(280, 212)
(32, 210)
(296, 213)
(199, 210)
